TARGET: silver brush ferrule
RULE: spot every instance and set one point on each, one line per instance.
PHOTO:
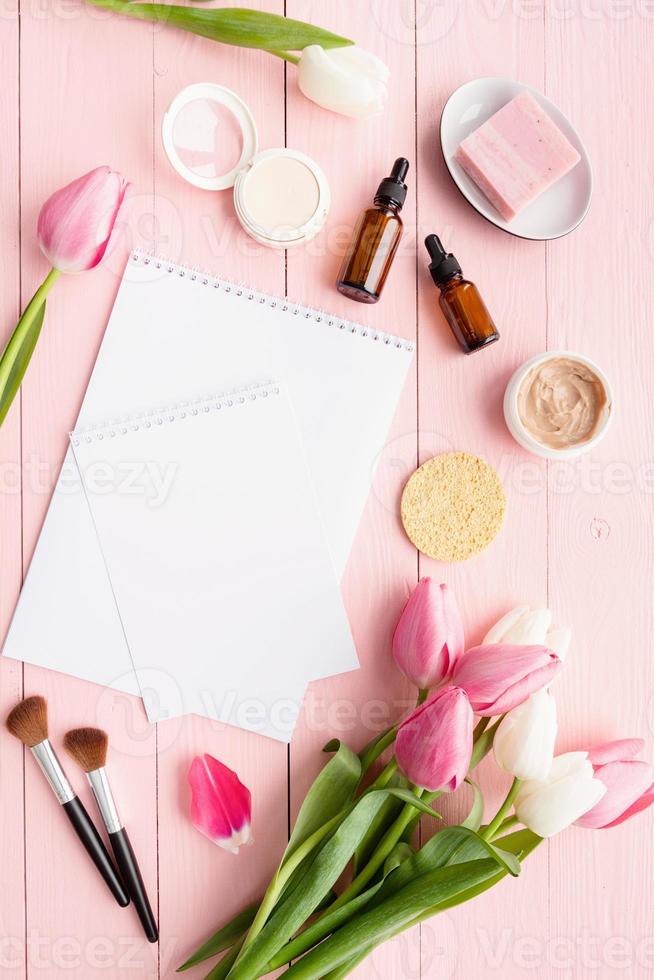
(51, 769)
(104, 798)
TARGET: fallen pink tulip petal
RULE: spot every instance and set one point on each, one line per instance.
(220, 803)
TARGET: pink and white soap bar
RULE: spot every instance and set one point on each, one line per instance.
(516, 155)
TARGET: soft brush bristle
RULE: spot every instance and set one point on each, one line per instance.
(88, 747)
(28, 721)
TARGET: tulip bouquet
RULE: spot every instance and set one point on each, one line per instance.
(354, 820)
(75, 229)
(332, 71)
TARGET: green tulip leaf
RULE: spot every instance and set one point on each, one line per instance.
(376, 747)
(452, 845)
(221, 970)
(483, 745)
(231, 25)
(476, 813)
(374, 925)
(226, 936)
(330, 921)
(331, 791)
(318, 877)
(400, 853)
(408, 797)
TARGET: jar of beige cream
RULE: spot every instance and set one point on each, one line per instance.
(558, 405)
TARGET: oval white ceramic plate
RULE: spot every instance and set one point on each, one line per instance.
(558, 210)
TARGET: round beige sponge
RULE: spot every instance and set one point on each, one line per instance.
(453, 506)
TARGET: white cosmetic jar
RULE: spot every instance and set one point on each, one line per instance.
(517, 427)
(281, 196)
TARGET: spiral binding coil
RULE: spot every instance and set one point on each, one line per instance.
(195, 274)
(173, 413)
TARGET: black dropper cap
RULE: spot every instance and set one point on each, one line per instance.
(443, 264)
(392, 189)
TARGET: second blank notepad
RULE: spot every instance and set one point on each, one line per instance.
(217, 557)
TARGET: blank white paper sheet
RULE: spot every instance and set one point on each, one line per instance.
(217, 558)
(178, 335)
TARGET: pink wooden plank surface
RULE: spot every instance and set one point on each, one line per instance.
(92, 90)
(12, 842)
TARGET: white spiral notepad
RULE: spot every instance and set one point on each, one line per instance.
(176, 335)
(223, 581)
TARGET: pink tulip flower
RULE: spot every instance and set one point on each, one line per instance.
(77, 222)
(499, 676)
(429, 635)
(629, 783)
(220, 803)
(434, 744)
(75, 228)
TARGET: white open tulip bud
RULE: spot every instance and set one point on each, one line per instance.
(523, 625)
(549, 805)
(348, 80)
(524, 741)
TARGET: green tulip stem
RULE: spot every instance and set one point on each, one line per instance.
(508, 824)
(480, 728)
(283, 874)
(16, 355)
(498, 819)
(386, 845)
(372, 752)
(385, 776)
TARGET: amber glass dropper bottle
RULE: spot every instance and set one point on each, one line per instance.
(375, 239)
(463, 307)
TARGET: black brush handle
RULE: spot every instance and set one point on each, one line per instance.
(129, 869)
(85, 830)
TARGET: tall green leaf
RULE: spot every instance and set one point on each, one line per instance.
(331, 791)
(297, 905)
(452, 845)
(332, 920)
(232, 25)
(378, 827)
(226, 936)
(374, 925)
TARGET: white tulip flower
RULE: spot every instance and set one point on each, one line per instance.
(348, 80)
(524, 741)
(523, 625)
(548, 806)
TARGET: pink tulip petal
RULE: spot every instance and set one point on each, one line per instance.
(642, 804)
(429, 635)
(220, 803)
(434, 744)
(499, 676)
(617, 751)
(626, 783)
(519, 692)
(76, 223)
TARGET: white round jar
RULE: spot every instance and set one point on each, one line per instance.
(519, 430)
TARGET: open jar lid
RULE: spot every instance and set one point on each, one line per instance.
(194, 134)
(281, 196)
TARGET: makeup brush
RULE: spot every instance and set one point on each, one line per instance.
(88, 747)
(29, 722)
